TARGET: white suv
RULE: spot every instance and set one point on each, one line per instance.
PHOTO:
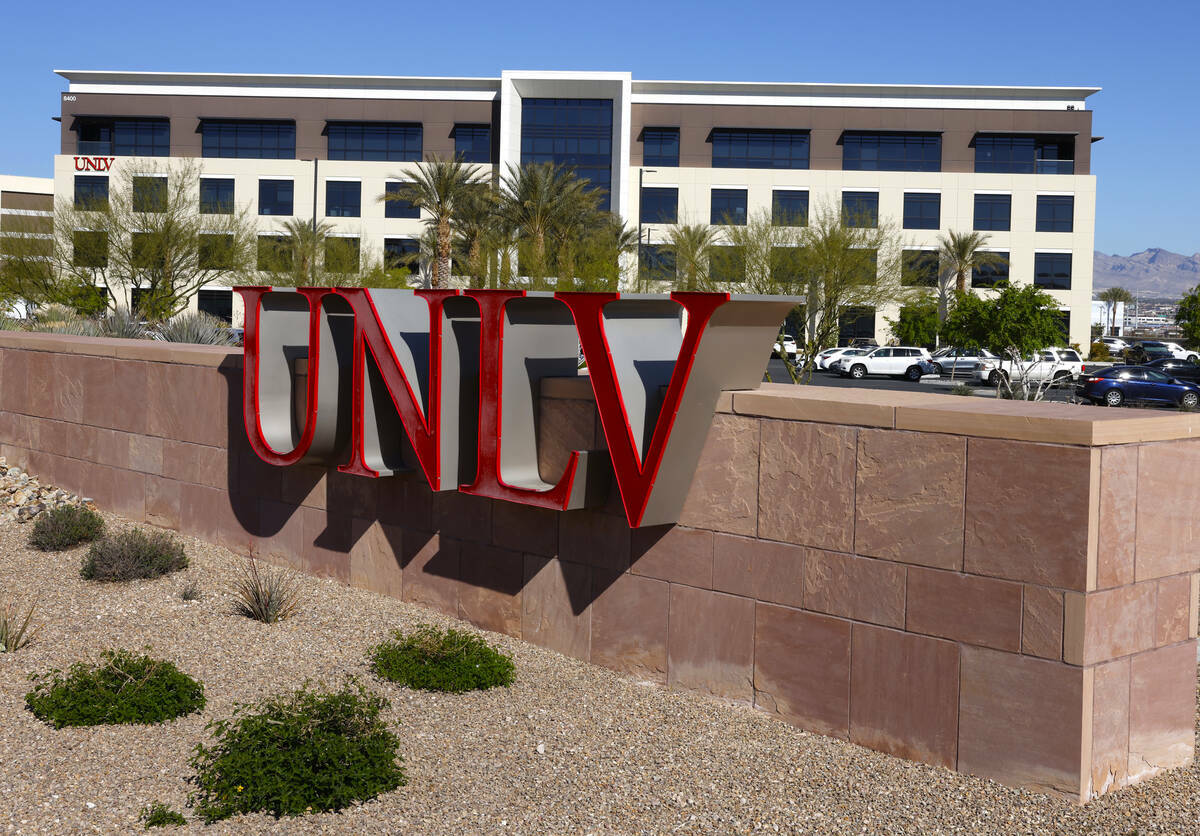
(898, 361)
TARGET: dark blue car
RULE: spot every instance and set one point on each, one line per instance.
(1116, 385)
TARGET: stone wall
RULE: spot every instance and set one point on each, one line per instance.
(1001, 588)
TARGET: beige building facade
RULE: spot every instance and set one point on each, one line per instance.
(1014, 162)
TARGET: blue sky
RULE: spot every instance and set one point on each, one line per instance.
(1148, 165)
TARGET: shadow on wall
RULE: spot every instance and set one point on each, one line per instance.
(448, 546)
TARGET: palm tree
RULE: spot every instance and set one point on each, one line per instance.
(440, 188)
(304, 241)
(692, 246)
(1111, 296)
(546, 204)
(474, 232)
(959, 254)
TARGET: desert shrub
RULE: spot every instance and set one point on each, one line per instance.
(14, 628)
(75, 326)
(309, 751)
(266, 595)
(1098, 351)
(65, 526)
(133, 553)
(122, 688)
(125, 324)
(962, 389)
(191, 591)
(199, 328)
(160, 815)
(441, 660)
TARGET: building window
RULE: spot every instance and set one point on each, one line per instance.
(216, 303)
(138, 297)
(1024, 154)
(395, 207)
(993, 212)
(922, 210)
(123, 137)
(147, 251)
(660, 205)
(392, 141)
(275, 197)
(657, 262)
(214, 251)
(216, 196)
(402, 254)
(919, 268)
(149, 194)
(89, 248)
(728, 207)
(571, 132)
(660, 146)
(860, 209)
(741, 148)
(785, 264)
(473, 143)
(91, 192)
(863, 151)
(789, 208)
(343, 199)
(856, 323)
(992, 273)
(1055, 213)
(274, 253)
(727, 264)
(1052, 271)
(341, 254)
(250, 140)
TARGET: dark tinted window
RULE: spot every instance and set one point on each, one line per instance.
(473, 143)
(920, 268)
(657, 263)
(123, 137)
(1024, 154)
(275, 197)
(1052, 271)
(992, 274)
(863, 151)
(728, 206)
(146, 251)
(860, 209)
(570, 132)
(789, 208)
(743, 148)
(402, 254)
(91, 192)
(343, 199)
(993, 212)
(90, 249)
(727, 264)
(922, 210)
(214, 252)
(248, 139)
(396, 207)
(341, 254)
(216, 196)
(218, 303)
(149, 194)
(660, 146)
(660, 205)
(1055, 213)
(856, 323)
(394, 141)
(274, 253)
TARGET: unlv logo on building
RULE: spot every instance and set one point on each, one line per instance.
(448, 381)
(94, 163)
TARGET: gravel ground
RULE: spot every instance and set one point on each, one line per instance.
(619, 756)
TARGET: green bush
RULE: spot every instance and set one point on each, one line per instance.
(122, 688)
(310, 751)
(962, 389)
(65, 526)
(441, 660)
(160, 815)
(1099, 351)
(132, 554)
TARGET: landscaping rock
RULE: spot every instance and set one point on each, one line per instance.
(22, 497)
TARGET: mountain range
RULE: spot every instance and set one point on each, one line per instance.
(1153, 273)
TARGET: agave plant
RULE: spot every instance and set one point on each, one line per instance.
(122, 323)
(198, 328)
(76, 326)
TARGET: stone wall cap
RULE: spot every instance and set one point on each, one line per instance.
(158, 351)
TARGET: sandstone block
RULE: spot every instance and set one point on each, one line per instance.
(1042, 624)
(555, 607)
(807, 485)
(1168, 531)
(629, 624)
(1162, 709)
(802, 668)
(724, 495)
(489, 594)
(673, 553)
(1118, 507)
(1110, 728)
(760, 569)
(966, 608)
(711, 643)
(860, 588)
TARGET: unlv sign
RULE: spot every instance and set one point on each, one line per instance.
(94, 163)
(448, 381)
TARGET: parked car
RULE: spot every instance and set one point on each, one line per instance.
(827, 358)
(1055, 364)
(897, 361)
(959, 362)
(1171, 367)
(1145, 350)
(1118, 384)
(1115, 345)
(788, 348)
